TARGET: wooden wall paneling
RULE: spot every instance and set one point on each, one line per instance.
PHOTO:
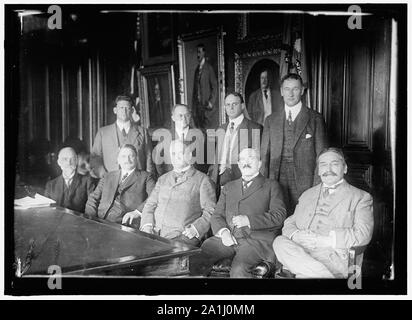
(357, 103)
(55, 104)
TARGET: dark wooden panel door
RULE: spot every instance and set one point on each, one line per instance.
(356, 69)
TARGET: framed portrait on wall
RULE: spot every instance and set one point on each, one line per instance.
(202, 76)
(157, 95)
(158, 41)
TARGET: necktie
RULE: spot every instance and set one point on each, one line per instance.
(179, 176)
(124, 132)
(266, 93)
(290, 118)
(327, 191)
(246, 184)
(124, 177)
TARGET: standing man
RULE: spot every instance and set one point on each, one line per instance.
(239, 133)
(111, 138)
(264, 100)
(293, 136)
(70, 189)
(179, 130)
(248, 216)
(329, 219)
(121, 191)
(204, 91)
(182, 202)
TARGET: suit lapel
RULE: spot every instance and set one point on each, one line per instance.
(133, 134)
(130, 180)
(60, 190)
(341, 193)
(255, 186)
(301, 122)
(75, 183)
(113, 179)
(311, 204)
(276, 128)
(236, 192)
(113, 136)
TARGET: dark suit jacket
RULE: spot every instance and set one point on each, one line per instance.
(106, 148)
(262, 203)
(310, 139)
(255, 106)
(133, 193)
(245, 124)
(208, 85)
(79, 190)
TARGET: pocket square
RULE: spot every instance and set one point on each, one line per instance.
(308, 136)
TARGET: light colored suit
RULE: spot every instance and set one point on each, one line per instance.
(106, 147)
(350, 217)
(174, 205)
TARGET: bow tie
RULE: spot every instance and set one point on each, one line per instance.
(329, 190)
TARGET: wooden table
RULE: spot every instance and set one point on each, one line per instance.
(82, 245)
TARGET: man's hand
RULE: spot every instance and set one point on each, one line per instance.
(227, 239)
(305, 238)
(190, 232)
(240, 221)
(148, 229)
(130, 216)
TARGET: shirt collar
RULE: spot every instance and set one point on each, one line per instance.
(237, 121)
(202, 62)
(253, 177)
(294, 110)
(180, 132)
(334, 185)
(125, 126)
(129, 172)
(70, 177)
(182, 170)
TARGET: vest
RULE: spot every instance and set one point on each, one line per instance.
(288, 137)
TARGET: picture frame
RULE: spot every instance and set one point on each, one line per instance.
(160, 45)
(213, 40)
(157, 95)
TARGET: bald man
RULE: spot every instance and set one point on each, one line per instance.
(70, 189)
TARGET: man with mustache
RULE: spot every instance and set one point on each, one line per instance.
(329, 219)
(248, 216)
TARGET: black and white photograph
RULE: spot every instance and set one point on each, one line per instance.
(302, 193)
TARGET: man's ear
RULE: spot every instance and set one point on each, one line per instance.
(114, 110)
(345, 170)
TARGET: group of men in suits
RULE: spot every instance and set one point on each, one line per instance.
(257, 178)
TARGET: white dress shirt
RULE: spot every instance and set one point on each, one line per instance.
(294, 110)
(123, 125)
(236, 122)
(182, 133)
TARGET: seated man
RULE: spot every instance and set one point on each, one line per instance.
(182, 202)
(329, 219)
(121, 191)
(70, 189)
(248, 216)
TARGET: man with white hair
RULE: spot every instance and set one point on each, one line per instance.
(247, 218)
(70, 189)
(329, 218)
(182, 201)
